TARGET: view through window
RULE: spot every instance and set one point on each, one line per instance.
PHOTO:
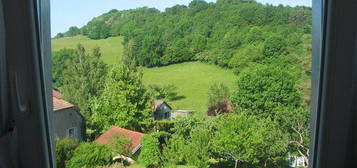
(184, 83)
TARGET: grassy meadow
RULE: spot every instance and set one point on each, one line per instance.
(192, 79)
(111, 48)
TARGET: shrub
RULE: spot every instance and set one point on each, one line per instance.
(121, 145)
(151, 149)
(220, 108)
(64, 150)
(217, 93)
(165, 125)
(90, 155)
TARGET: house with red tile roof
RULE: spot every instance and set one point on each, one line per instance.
(134, 138)
(68, 121)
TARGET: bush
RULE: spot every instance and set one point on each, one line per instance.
(165, 125)
(151, 149)
(190, 144)
(90, 155)
(217, 93)
(64, 150)
(121, 145)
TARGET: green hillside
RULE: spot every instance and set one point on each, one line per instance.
(192, 79)
(111, 48)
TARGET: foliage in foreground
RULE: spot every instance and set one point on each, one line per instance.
(151, 148)
(64, 150)
(270, 91)
(258, 142)
(198, 141)
(90, 155)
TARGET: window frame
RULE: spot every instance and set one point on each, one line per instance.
(333, 112)
(332, 117)
(75, 133)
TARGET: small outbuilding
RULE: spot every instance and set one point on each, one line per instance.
(161, 110)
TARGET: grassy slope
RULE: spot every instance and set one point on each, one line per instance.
(111, 48)
(192, 79)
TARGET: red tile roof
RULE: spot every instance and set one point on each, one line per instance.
(108, 137)
(59, 104)
(57, 94)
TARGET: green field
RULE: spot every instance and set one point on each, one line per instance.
(192, 79)
(111, 48)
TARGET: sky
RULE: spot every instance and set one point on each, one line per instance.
(67, 13)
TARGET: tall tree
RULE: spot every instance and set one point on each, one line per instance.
(84, 78)
(125, 102)
(59, 59)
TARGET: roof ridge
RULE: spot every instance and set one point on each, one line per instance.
(126, 130)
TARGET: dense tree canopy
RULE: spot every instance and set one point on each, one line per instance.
(212, 32)
(83, 77)
(59, 60)
(125, 102)
(263, 89)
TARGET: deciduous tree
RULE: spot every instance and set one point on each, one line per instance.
(125, 102)
(83, 78)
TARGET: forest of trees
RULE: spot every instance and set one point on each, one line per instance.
(268, 47)
(218, 33)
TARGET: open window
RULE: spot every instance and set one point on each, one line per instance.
(26, 93)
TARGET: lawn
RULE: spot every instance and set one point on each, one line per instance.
(192, 80)
(111, 48)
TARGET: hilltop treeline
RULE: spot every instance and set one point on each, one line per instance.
(218, 33)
